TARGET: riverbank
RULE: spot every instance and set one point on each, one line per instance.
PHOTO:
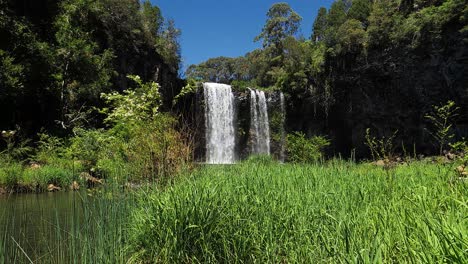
(71, 175)
(267, 212)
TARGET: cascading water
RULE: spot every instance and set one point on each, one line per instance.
(283, 132)
(219, 123)
(259, 126)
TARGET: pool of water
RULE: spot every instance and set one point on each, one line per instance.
(35, 227)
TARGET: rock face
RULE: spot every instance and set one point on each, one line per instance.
(392, 88)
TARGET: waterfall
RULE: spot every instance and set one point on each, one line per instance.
(259, 125)
(219, 123)
(283, 132)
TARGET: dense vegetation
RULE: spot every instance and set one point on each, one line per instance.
(262, 211)
(57, 57)
(368, 64)
(88, 95)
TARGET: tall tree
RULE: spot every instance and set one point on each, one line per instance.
(282, 22)
(337, 14)
(360, 10)
(152, 19)
(320, 25)
(169, 45)
(81, 71)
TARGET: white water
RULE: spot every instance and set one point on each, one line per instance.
(259, 125)
(283, 132)
(219, 123)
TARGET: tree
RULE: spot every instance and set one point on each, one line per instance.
(81, 72)
(152, 19)
(336, 17)
(381, 23)
(337, 14)
(169, 45)
(282, 22)
(360, 10)
(351, 36)
(320, 25)
(221, 69)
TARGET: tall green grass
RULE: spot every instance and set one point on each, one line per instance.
(256, 211)
(78, 227)
(273, 213)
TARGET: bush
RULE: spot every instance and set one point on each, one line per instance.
(50, 149)
(11, 175)
(380, 148)
(52, 175)
(303, 150)
(156, 150)
(86, 146)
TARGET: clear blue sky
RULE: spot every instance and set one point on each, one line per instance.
(212, 28)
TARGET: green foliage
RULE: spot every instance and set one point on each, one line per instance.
(381, 148)
(428, 23)
(11, 76)
(303, 150)
(157, 151)
(288, 213)
(16, 148)
(337, 13)
(351, 37)
(221, 70)
(81, 71)
(282, 22)
(140, 104)
(46, 175)
(320, 25)
(87, 145)
(382, 21)
(49, 149)
(11, 175)
(168, 45)
(190, 88)
(141, 136)
(441, 120)
(56, 60)
(360, 10)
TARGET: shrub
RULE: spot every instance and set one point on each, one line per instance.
(303, 150)
(380, 148)
(157, 150)
(11, 175)
(53, 175)
(49, 149)
(441, 123)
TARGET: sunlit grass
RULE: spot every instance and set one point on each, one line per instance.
(339, 212)
(260, 211)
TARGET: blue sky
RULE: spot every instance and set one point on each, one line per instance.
(212, 28)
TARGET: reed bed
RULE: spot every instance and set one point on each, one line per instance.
(257, 211)
(73, 227)
(264, 212)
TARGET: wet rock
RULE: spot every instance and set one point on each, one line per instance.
(34, 166)
(74, 186)
(53, 188)
(90, 180)
(460, 169)
(379, 163)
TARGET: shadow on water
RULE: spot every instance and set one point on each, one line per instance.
(33, 223)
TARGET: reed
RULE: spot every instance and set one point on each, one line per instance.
(274, 213)
(256, 211)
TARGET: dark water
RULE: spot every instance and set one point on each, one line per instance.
(34, 226)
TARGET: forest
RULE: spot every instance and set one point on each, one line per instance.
(346, 145)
